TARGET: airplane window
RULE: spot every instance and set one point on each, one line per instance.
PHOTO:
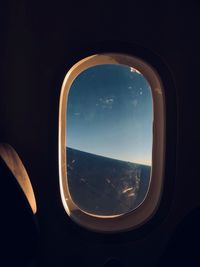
(107, 149)
(109, 139)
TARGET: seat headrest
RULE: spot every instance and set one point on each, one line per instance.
(18, 228)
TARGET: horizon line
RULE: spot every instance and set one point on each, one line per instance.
(135, 162)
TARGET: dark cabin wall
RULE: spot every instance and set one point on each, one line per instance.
(40, 42)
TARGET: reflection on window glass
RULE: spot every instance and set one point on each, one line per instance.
(109, 139)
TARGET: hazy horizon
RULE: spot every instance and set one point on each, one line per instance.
(89, 152)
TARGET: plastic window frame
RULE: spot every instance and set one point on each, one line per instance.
(140, 215)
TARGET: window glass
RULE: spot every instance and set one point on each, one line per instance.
(109, 121)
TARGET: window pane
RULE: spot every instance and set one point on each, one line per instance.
(109, 139)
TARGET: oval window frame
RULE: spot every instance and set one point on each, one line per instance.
(148, 207)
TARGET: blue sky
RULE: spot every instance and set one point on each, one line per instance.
(110, 113)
